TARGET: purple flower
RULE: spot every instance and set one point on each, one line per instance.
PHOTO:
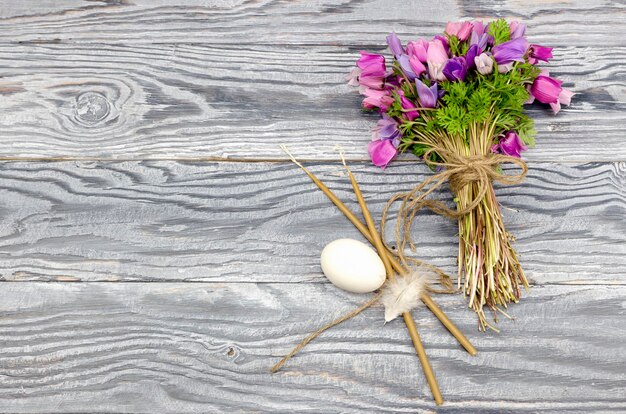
(549, 91)
(395, 45)
(428, 96)
(511, 51)
(461, 30)
(517, 29)
(484, 64)
(455, 69)
(382, 152)
(472, 52)
(510, 144)
(539, 53)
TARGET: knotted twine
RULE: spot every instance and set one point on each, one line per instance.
(459, 171)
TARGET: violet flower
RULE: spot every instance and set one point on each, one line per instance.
(549, 91)
(382, 152)
(481, 40)
(538, 52)
(427, 96)
(405, 65)
(418, 49)
(461, 30)
(517, 29)
(437, 58)
(511, 51)
(386, 128)
(484, 63)
(395, 45)
(510, 144)
(455, 69)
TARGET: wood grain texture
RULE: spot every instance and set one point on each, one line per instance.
(266, 222)
(582, 22)
(173, 347)
(207, 101)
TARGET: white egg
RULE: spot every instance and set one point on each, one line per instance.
(353, 266)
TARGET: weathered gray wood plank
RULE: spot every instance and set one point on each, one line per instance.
(202, 101)
(164, 347)
(266, 222)
(581, 22)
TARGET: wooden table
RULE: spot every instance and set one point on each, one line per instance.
(158, 253)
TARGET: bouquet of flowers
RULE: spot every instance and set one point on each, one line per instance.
(457, 101)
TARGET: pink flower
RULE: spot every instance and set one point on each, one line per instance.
(353, 77)
(461, 30)
(517, 29)
(538, 52)
(437, 58)
(478, 27)
(382, 152)
(417, 66)
(418, 49)
(510, 144)
(549, 91)
(375, 98)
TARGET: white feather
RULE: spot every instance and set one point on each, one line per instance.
(403, 294)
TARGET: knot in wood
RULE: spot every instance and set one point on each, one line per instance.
(92, 107)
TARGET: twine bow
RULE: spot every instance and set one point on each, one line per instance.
(460, 171)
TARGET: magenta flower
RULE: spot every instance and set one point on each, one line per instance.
(510, 144)
(538, 52)
(511, 51)
(407, 104)
(484, 64)
(437, 58)
(382, 152)
(549, 91)
(455, 69)
(368, 59)
(375, 98)
(417, 66)
(461, 30)
(427, 96)
(418, 49)
(517, 29)
(395, 45)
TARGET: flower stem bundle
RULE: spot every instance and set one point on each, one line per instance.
(456, 101)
